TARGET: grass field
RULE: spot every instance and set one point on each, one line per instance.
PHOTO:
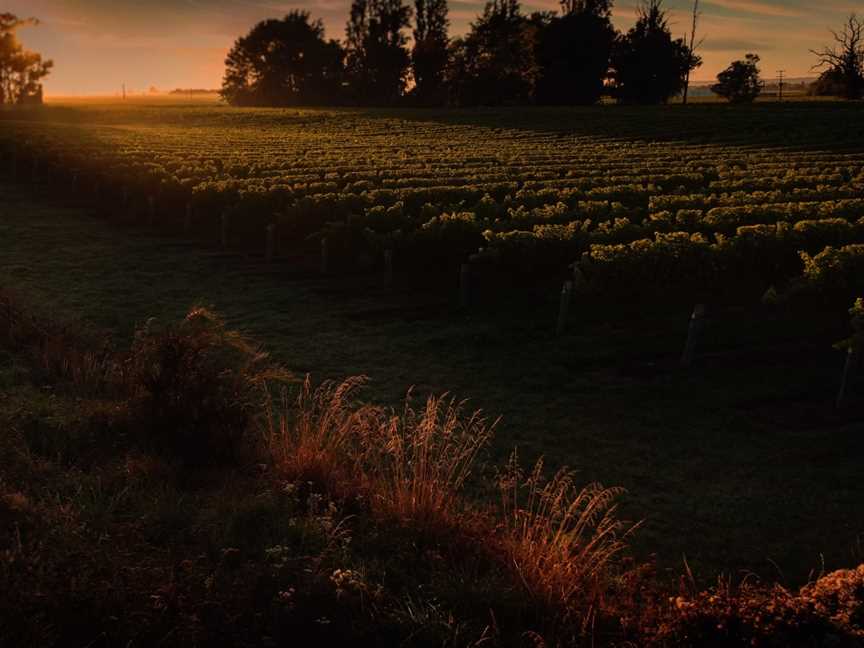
(738, 464)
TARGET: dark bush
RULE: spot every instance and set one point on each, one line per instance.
(195, 386)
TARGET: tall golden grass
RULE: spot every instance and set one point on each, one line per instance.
(421, 460)
(559, 541)
(412, 465)
(315, 439)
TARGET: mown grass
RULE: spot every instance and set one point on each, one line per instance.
(738, 464)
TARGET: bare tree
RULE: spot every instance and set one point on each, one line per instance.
(695, 61)
(846, 57)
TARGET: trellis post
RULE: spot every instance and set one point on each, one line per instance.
(697, 325)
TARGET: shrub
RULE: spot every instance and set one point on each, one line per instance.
(839, 596)
(826, 612)
(196, 386)
(747, 615)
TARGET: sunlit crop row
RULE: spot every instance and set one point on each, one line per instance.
(628, 211)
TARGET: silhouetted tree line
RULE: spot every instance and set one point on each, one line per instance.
(573, 56)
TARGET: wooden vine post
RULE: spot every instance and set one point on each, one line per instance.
(13, 163)
(848, 373)
(697, 326)
(564, 307)
(151, 211)
(325, 257)
(854, 346)
(187, 218)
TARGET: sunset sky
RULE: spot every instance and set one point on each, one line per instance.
(97, 45)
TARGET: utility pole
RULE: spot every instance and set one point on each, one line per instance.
(780, 74)
(124, 92)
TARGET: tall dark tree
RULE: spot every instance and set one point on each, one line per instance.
(692, 46)
(378, 57)
(648, 65)
(740, 82)
(283, 62)
(845, 59)
(573, 52)
(495, 63)
(20, 70)
(429, 56)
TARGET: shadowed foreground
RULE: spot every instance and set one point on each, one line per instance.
(227, 518)
(738, 464)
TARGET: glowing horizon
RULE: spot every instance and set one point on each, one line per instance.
(100, 45)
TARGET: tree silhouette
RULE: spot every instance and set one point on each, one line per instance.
(429, 56)
(740, 83)
(593, 7)
(648, 65)
(495, 64)
(573, 53)
(846, 57)
(283, 62)
(20, 70)
(831, 83)
(378, 57)
(692, 45)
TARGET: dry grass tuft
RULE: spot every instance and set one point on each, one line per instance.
(422, 459)
(561, 540)
(316, 439)
(411, 466)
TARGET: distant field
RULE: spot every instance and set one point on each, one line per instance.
(737, 461)
(163, 99)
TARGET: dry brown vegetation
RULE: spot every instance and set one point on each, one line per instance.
(190, 492)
